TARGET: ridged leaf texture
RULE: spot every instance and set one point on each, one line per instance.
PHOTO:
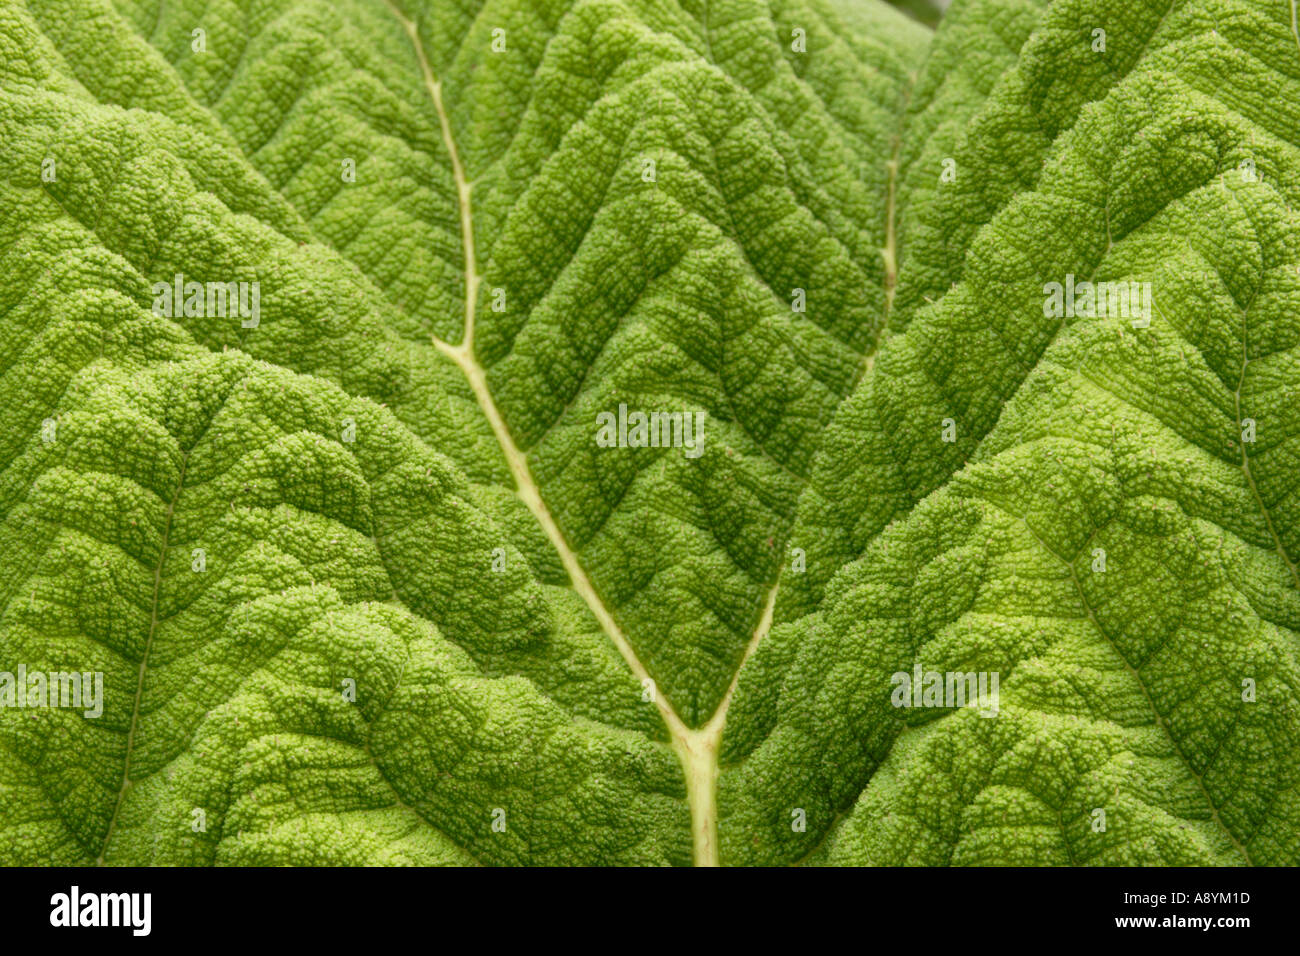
(475, 228)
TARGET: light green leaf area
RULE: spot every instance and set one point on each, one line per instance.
(362, 584)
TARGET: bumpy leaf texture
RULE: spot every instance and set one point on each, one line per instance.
(364, 587)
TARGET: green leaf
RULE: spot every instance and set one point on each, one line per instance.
(364, 587)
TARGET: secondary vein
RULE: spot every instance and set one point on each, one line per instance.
(696, 749)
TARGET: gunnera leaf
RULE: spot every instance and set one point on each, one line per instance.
(649, 432)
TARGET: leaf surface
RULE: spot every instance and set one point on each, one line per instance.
(562, 653)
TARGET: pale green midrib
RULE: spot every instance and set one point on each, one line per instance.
(696, 749)
(889, 256)
(144, 658)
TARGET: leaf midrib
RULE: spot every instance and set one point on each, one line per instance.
(696, 749)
